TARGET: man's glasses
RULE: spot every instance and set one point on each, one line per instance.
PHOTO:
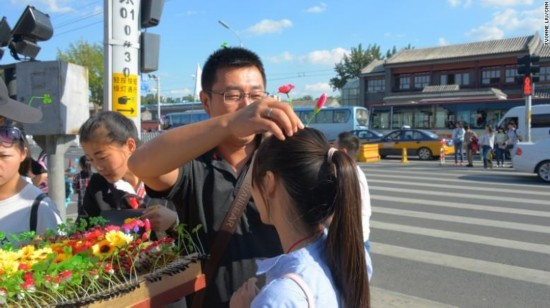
(234, 96)
(10, 135)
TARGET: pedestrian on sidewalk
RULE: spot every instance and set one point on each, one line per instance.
(471, 145)
(500, 146)
(458, 140)
(348, 143)
(487, 142)
(81, 180)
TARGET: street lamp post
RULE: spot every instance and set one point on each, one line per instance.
(230, 29)
(157, 79)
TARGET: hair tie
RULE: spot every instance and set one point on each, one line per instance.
(330, 153)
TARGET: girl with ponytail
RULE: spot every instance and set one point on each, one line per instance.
(298, 185)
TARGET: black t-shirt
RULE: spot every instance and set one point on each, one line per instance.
(203, 194)
(104, 199)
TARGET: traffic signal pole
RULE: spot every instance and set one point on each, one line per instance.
(528, 68)
(121, 37)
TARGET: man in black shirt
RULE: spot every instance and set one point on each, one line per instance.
(198, 166)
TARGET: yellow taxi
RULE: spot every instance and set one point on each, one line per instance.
(418, 142)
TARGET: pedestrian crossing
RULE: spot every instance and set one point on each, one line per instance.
(453, 236)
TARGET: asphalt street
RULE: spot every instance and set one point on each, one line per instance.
(445, 236)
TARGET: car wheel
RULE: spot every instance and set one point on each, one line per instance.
(425, 154)
(543, 170)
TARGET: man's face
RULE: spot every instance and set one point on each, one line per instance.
(245, 79)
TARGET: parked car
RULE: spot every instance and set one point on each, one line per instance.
(418, 142)
(533, 157)
(366, 135)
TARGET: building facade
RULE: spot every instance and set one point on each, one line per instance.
(433, 88)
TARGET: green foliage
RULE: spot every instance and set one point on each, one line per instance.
(90, 56)
(351, 65)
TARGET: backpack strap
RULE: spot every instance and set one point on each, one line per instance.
(302, 284)
(34, 211)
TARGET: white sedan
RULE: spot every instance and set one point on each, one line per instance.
(534, 158)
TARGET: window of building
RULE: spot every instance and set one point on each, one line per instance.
(376, 85)
(544, 73)
(462, 79)
(490, 75)
(403, 82)
(421, 80)
(510, 74)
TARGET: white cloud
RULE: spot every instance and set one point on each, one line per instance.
(442, 42)
(317, 8)
(486, 32)
(55, 6)
(506, 2)
(318, 87)
(284, 57)
(325, 56)
(183, 92)
(454, 3)
(509, 20)
(268, 26)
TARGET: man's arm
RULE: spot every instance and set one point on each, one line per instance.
(157, 161)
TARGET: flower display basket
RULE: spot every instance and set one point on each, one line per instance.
(158, 289)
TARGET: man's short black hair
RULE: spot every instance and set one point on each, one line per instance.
(350, 142)
(236, 57)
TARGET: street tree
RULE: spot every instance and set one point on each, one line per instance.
(351, 65)
(90, 56)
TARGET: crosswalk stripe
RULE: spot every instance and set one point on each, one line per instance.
(463, 237)
(462, 205)
(462, 263)
(449, 177)
(463, 186)
(452, 194)
(465, 220)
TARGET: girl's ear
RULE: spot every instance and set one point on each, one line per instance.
(270, 183)
(24, 154)
(132, 145)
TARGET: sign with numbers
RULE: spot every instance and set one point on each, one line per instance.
(125, 38)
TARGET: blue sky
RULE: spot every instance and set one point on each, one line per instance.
(299, 41)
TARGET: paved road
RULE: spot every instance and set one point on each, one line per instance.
(455, 236)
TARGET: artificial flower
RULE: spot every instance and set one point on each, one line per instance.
(285, 89)
(320, 103)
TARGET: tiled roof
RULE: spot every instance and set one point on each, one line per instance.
(376, 66)
(493, 47)
(489, 93)
(544, 51)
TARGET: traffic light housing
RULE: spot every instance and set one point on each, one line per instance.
(528, 65)
(33, 26)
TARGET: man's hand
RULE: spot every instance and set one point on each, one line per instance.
(267, 115)
(161, 217)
